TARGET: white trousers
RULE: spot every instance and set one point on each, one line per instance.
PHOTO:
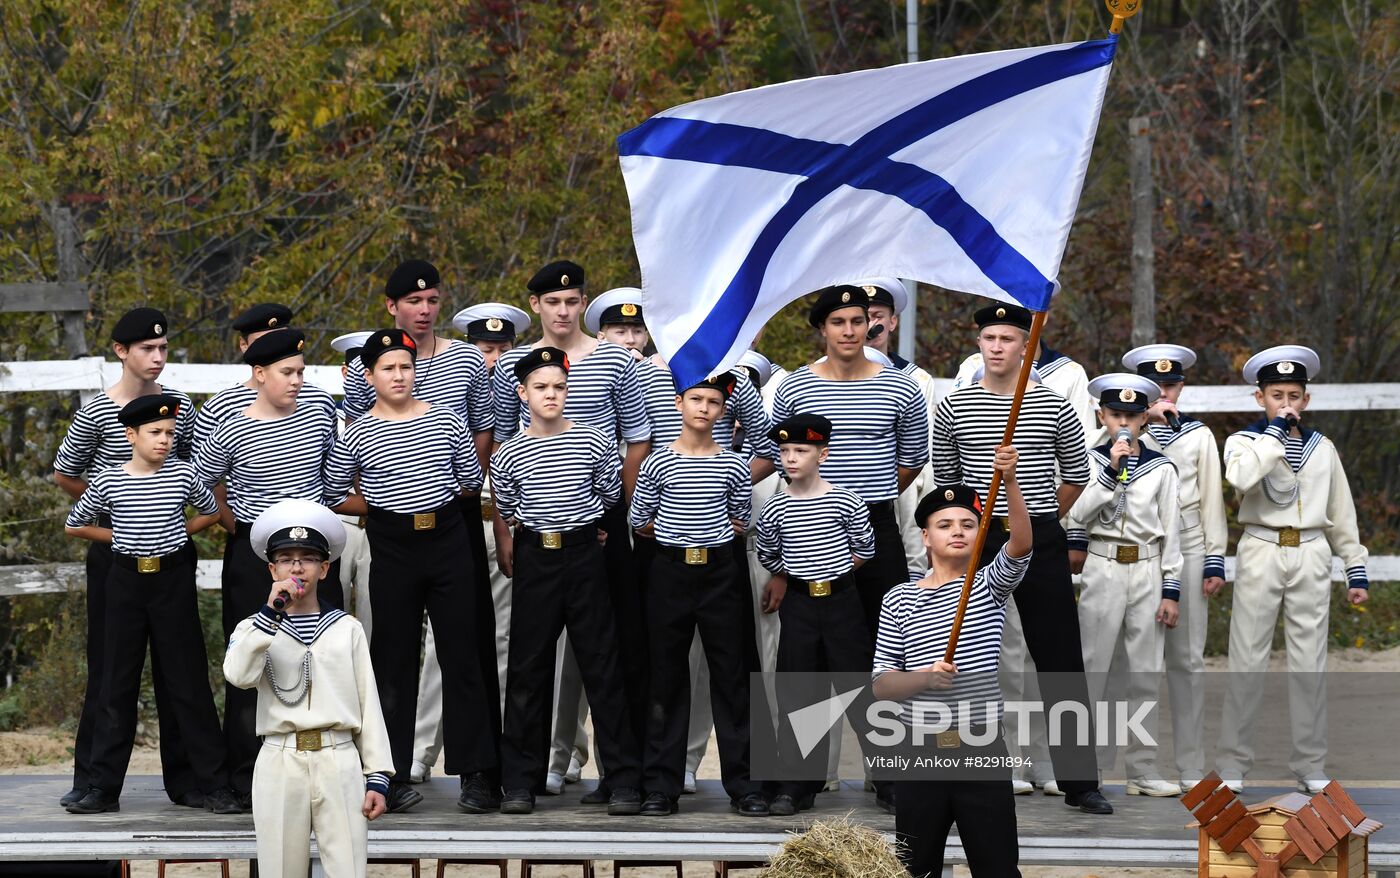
(354, 573)
(1119, 605)
(1185, 660)
(1297, 579)
(427, 733)
(296, 792)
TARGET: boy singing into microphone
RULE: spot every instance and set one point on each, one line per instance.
(1129, 521)
(325, 759)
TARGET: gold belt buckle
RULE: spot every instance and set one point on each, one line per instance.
(1125, 554)
(309, 739)
(697, 555)
(152, 565)
(552, 540)
(424, 520)
(949, 740)
(1289, 536)
(361, 522)
(488, 511)
(819, 589)
(1005, 523)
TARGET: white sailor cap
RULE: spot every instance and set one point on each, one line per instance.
(1285, 362)
(618, 305)
(297, 523)
(1163, 363)
(491, 321)
(882, 288)
(1124, 391)
(982, 370)
(350, 341)
(758, 364)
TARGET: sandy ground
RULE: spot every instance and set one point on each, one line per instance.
(46, 751)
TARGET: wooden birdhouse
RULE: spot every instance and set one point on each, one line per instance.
(1290, 836)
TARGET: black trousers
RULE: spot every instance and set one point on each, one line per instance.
(984, 811)
(681, 599)
(427, 570)
(554, 590)
(1050, 620)
(245, 583)
(159, 608)
(174, 762)
(485, 617)
(887, 569)
(629, 614)
(818, 635)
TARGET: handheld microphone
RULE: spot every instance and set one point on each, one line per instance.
(874, 332)
(1123, 435)
(1291, 421)
(283, 598)
(1174, 422)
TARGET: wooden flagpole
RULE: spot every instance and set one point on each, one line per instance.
(989, 502)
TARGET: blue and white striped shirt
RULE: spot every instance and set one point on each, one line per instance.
(878, 424)
(231, 400)
(604, 393)
(745, 407)
(96, 440)
(692, 499)
(148, 512)
(557, 483)
(454, 377)
(267, 461)
(814, 538)
(915, 623)
(414, 465)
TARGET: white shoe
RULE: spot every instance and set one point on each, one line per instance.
(553, 784)
(832, 786)
(1234, 785)
(689, 785)
(575, 771)
(419, 772)
(1312, 786)
(1050, 788)
(1153, 787)
(1021, 787)
(1189, 781)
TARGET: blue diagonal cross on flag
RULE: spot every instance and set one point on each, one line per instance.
(962, 172)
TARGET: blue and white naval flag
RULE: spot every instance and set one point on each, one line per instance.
(961, 172)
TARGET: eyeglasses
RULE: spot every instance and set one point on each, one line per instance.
(294, 560)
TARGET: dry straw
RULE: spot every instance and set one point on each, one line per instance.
(836, 848)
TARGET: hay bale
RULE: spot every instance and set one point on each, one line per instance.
(836, 848)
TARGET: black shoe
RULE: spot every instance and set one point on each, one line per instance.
(625, 802)
(885, 799)
(73, 795)
(806, 803)
(95, 801)
(192, 799)
(599, 795)
(658, 805)
(1091, 802)
(401, 797)
(477, 796)
(517, 802)
(245, 800)
(782, 806)
(223, 801)
(751, 805)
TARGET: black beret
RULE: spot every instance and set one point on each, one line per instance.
(538, 358)
(802, 428)
(943, 496)
(275, 346)
(839, 296)
(1162, 371)
(261, 318)
(1003, 315)
(562, 275)
(298, 537)
(625, 312)
(412, 276)
(139, 324)
(145, 409)
(383, 341)
(724, 383)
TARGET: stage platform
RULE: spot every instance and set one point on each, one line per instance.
(1143, 832)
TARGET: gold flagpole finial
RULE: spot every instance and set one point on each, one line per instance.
(1122, 10)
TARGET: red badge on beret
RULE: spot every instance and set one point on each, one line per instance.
(814, 435)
